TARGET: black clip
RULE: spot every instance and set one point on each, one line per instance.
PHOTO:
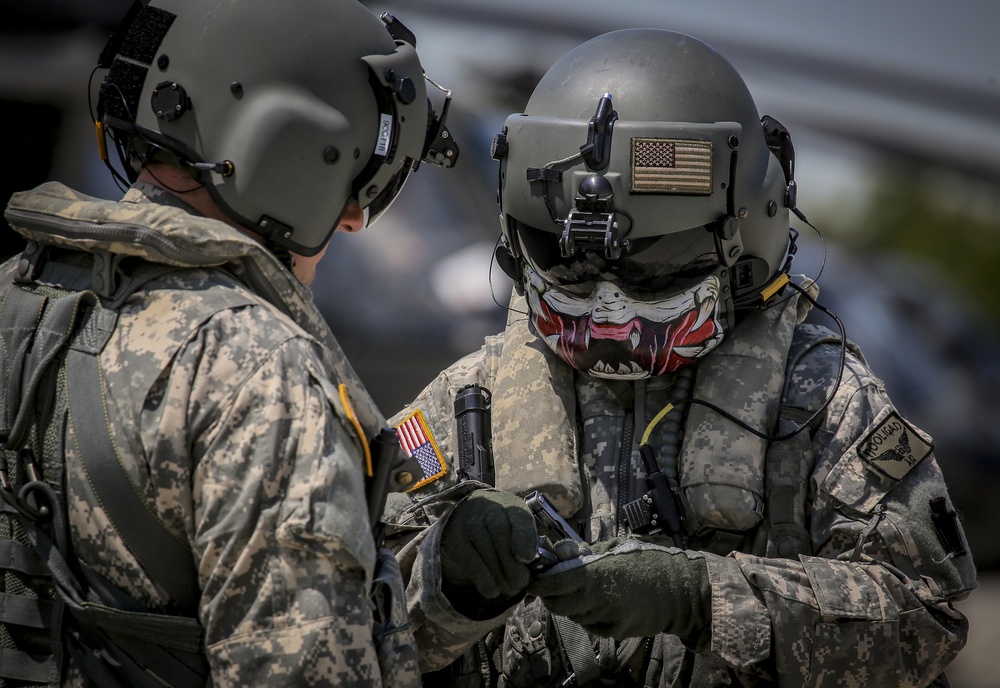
(398, 30)
(19, 500)
(30, 263)
(659, 509)
(597, 150)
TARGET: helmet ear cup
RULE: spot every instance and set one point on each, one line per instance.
(511, 266)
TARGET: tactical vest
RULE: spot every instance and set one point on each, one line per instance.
(58, 308)
(740, 492)
(58, 311)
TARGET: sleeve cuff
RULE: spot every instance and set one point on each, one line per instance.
(741, 625)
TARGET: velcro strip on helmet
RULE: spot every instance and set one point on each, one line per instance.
(123, 87)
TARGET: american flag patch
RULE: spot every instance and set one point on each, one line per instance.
(671, 166)
(417, 441)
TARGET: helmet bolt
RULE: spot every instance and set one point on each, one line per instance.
(734, 251)
(404, 89)
(734, 142)
(772, 209)
(372, 191)
(236, 88)
(163, 62)
(331, 155)
(742, 213)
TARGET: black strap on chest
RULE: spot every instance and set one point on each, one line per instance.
(52, 328)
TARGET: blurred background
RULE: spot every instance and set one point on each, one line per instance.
(894, 110)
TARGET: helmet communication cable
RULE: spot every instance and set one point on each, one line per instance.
(754, 431)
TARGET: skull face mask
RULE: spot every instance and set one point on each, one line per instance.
(609, 334)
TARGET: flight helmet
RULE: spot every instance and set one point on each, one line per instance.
(286, 111)
(643, 202)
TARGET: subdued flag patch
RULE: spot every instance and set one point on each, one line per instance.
(893, 447)
(671, 166)
(417, 441)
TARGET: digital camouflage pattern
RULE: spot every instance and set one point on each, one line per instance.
(222, 393)
(823, 570)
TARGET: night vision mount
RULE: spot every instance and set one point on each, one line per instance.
(593, 225)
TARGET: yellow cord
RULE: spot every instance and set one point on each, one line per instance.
(102, 146)
(656, 419)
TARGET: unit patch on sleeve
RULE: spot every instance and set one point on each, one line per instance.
(893, 447)
(417, 441)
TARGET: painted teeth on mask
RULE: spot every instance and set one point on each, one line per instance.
(631, 370)
(586, 339)
(688, 351)
(699, 350)
(705, 309)
(705, 305)
(633, 338)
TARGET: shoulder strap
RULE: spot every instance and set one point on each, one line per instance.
(73, 318)
(162, 556)
(789, 463)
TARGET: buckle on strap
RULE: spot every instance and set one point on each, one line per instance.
(19, 499)
(30, 263)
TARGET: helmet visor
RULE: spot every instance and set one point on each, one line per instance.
(652, 266)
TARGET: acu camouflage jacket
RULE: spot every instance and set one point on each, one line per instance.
(832, 556)
(240, 423)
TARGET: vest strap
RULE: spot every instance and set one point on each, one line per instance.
(21, 666)
(159, 553)
(579, 650)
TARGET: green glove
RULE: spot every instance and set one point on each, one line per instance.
(486, 546)
(623, 591)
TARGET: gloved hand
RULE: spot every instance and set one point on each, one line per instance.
(622, 591)
(486, 546)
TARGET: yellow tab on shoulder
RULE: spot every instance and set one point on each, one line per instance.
(345, 399)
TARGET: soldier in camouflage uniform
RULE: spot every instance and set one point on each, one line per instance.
(754, 509)
(250, 132)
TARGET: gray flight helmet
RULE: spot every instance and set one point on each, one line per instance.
(286, 111)
(644, 133)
